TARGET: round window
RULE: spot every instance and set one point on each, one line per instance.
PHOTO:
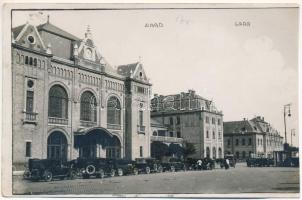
(31, 39)
(30, 83)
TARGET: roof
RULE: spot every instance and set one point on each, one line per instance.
(17, 30)
(126, 70)
(240, 126)
(56, 30)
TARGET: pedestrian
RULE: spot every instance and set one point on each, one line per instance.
(227, 163)
(199, 164)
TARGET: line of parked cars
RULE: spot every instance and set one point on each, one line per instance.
(47, 170)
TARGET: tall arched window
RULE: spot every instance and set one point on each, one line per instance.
(219, 153)
(208, 152)
(214, 153)
(88, 107)
(58, 102)
(57, 146)
(113, 111)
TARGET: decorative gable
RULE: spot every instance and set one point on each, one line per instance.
(139, 73)
(29, 37)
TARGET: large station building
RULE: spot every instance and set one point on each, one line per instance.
(69, 102)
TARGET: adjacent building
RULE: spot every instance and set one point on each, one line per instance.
(255, 136)
(188, 118)
(69, 102)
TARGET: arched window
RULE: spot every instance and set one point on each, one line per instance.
(58, 102)
(214, 153)
(219, 153)
(88, 107)
(113, 111)
(154, 133)
(237, 155)
(243, 154)
(208, 152)
(57, 146)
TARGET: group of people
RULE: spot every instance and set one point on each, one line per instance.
(225, 164)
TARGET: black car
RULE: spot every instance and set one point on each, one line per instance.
(259, 162)
(148, 165)
(48, 169)
(173, 164)
(124, 167)
(97, 167)
(191, 163)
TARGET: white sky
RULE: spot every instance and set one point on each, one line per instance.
(247, 71)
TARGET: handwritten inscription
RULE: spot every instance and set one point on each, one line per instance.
(243, 24)
(154, 25)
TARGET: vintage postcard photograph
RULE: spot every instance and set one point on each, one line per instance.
(153, 100)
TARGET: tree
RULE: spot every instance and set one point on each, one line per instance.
(189, 149)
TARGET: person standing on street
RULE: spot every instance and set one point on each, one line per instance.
(227, 163)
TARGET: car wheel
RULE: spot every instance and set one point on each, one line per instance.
(120, 172)
(135, 171)
(72, 175)
(112, 173)
(101, 174)
(147, 170)
(160, 169)
(172, 169)
(90, 169)
(47, 176)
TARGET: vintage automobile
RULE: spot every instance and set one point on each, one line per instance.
(48, 169)
(231, 158)
(259, 162)
(191, 163)
(173, 164)
(124, 167)
(148, 165)
(97, 167)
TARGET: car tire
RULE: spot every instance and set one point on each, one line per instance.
(172, 169)
(100, 174)
(160, 169)
(147, 170)
(47, 176)
(72, 175)
(112, 173)
(120, 172)
(90, 169)
(135, 171)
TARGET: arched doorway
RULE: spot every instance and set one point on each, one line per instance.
(57, 146)
(214, 153)
(219, 153)
(98, 143)
(208, 152)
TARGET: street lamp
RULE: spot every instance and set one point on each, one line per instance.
(286, 111)
(292, 133)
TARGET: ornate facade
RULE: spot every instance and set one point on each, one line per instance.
(68, 101)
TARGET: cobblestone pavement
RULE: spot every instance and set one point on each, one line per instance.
(218, 181)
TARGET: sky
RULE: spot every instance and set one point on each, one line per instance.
(246, 70)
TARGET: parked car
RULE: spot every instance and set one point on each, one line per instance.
(173, 164)
(191, 163)
(97, 167)
(259, 162)
(148, 165)
(208, 164)
(124, 167)
(231, 158)
(48, 169)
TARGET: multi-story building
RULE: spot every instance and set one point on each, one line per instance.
(255, 136)
(192, 118)
(69, 102)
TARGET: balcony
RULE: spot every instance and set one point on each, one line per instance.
(114, 126)
(141, 129)
(55, 120)
(30, 117)
(87, 123)
(166, 139)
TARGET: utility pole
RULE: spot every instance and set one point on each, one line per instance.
(286, 111)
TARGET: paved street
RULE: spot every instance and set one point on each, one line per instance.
(219, 181)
